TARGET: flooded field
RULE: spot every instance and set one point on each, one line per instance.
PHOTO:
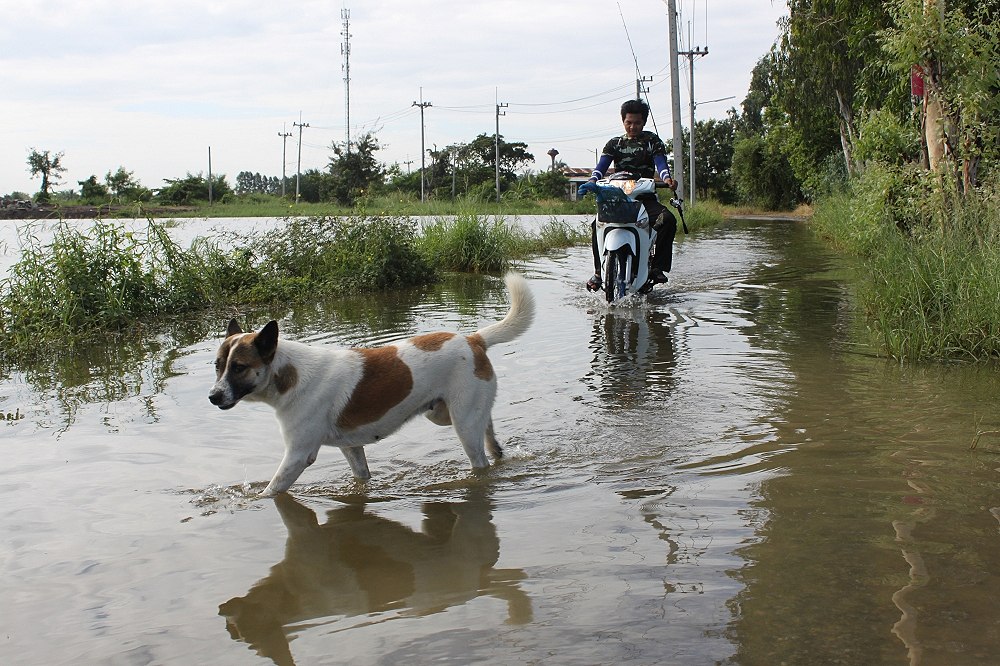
(717, 474)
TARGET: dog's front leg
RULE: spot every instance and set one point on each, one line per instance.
(295, 461)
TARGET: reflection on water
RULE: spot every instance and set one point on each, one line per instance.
(358, 563)
(634, 356)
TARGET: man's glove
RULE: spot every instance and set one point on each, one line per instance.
(589, 186)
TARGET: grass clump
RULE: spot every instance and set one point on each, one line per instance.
(930, 262)
(472, 243)
(109, 279)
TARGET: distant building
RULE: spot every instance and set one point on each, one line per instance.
(578, 177)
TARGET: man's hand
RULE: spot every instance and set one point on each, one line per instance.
(589, 186)
(671, 183)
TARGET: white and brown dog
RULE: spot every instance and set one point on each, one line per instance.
(352, 397)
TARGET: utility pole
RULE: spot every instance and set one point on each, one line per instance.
(675, 99)
(638, 85)
(284, 144)
(691, 56)
(210, 175)
(298, 168)
(345, 50)
(497, 143)
(423, 105)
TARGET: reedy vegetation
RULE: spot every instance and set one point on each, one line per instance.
(111, 280)
(929, 278)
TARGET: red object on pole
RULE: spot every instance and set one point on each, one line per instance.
(917, 81)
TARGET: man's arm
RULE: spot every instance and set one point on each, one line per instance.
(601, 168)
(663, 168)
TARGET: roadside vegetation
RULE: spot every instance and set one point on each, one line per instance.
(112, 280)
(885, 117)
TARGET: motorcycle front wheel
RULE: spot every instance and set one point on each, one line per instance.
(616, 274)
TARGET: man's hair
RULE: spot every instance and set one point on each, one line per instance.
(636, 106)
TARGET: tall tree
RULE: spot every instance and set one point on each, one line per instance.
(355, 172)
(956, 48)
(832, 63)
(49, 167)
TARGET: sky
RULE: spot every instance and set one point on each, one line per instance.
(157, 86)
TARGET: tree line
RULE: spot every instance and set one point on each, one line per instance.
(467, 170)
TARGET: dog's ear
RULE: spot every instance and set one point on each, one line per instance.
(266, 341)
(234, 327)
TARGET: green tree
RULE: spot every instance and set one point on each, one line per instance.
(93, 191)
(355, 172)
(713, 158)
(831, 64)
(193, 188)
(480, 158)
(49, 167)
(548, 184)
(124, 186)
(958, 51)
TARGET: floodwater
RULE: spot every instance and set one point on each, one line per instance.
(717, 475)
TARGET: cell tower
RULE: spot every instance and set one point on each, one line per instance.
(345, 50)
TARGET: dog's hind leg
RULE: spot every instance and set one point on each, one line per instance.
(471, 432)
(492, 445)
(356, 459)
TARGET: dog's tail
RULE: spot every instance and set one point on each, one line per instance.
(517, 321)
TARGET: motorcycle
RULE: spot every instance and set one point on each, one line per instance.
(625, 236)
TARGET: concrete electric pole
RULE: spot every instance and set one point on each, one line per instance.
(423, 105)
(284, 144)
(691, 56)
(675, 99)
(298, 167)
(497, 144)
(345, 50)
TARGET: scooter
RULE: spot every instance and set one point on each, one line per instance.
(625, 237)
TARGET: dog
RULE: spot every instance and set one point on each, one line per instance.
(349, 398)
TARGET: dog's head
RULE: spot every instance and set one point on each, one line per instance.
(242, 364)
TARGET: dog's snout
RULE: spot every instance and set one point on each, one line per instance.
(215, 396)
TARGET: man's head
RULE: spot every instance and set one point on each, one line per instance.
(635, 112)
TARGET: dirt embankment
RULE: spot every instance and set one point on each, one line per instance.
(64, 212)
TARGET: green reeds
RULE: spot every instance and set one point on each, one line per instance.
(929, 281)
(111, 278)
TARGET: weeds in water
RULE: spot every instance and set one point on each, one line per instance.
(111, 279)
(930, 263)
(472, 243)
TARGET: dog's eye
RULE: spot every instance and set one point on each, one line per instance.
(237, 367)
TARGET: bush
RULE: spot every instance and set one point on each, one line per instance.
(471, 242)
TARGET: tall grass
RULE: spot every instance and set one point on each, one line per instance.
(110, 279)
(471, 243)
(930, 262)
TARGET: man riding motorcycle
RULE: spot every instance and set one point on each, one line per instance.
(642, 154)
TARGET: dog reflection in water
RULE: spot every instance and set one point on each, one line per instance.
(358, 563)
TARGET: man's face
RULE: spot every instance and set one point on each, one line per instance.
(633, 124)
